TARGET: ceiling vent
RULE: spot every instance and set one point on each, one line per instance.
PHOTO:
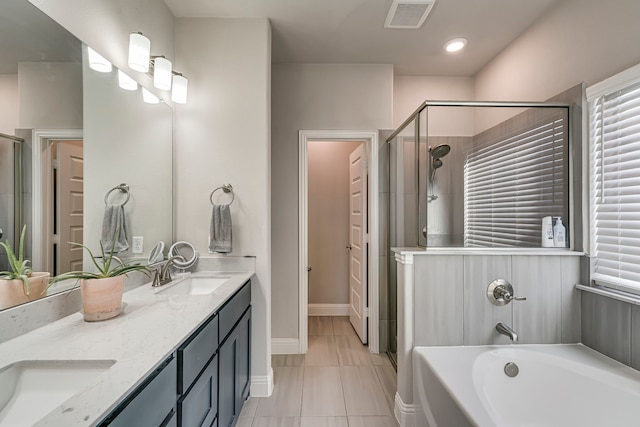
(408, 14)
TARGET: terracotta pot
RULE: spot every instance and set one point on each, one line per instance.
(101, 298)
(12, 291)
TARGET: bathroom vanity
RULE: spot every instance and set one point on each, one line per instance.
(173, 358)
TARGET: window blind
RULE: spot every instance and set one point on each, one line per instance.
(615, 164)
(512, 181)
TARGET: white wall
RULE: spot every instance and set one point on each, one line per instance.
(313, 96)
(105, 26)
(328, 186)
(223, 136)
(578, 41)
(9, 103)
(50, 95)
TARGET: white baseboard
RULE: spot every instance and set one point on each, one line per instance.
(285, 346)
(261, 386)
(405, 413)
(328, 310)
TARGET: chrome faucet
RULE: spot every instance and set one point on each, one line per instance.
(507, 331)
(163, 271)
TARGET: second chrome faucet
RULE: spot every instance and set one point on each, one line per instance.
(507, 331)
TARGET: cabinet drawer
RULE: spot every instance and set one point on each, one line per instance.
(233, 309)
(195, 354)
(151, 402)
(200, 406)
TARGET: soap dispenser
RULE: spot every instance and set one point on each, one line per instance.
(559, 234)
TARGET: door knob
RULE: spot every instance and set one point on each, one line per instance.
(308, 269)
(349, 247)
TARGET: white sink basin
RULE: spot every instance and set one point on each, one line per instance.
(29, 390)
(195, 285)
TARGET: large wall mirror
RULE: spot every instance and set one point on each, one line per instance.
(72, 135)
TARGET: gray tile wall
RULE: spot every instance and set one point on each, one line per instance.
(451, 306)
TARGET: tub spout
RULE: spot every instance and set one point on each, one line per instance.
(506, 330)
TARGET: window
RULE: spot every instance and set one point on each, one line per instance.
(614, 122)
(514, 175)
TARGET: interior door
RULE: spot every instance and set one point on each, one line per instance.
(358, 242)
(69, 212)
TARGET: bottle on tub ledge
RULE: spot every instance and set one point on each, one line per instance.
(559, 234)
(547, 232)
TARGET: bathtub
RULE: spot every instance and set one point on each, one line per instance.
(555, 385)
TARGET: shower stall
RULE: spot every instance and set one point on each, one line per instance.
(10, 192)
(474, 174)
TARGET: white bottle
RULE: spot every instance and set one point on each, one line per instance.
(547, 233)
(559, 234)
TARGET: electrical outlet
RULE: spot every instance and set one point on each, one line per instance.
(138, 245)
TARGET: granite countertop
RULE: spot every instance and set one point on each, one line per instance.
(149, 330)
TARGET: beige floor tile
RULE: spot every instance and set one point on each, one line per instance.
(249, 407)
(352, 352)
(342, 326)
(276, 422)
(320, 325)
(322, 392)
(286, 399)
(363, 392)
(372, 422)
(279, 360)
(324, 422)
(244, 422)
(321, 351)
(389, 381)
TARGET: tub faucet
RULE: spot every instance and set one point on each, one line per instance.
(506, 330)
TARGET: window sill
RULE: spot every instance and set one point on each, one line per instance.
(611, 293)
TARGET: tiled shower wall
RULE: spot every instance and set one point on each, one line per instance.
(451, 305)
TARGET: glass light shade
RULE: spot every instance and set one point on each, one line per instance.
(455, 45)
(179, 91)
(126, 82)
(139, 51)
(148, 97)
(97, 61)
(162, 73)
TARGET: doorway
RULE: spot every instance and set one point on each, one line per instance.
(343, 249)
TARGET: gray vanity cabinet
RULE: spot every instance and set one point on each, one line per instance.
(205, 382)
(235, 360)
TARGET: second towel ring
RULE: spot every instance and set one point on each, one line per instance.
(123, 188)
(227, 188)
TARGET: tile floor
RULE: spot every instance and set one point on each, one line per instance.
(338, 383)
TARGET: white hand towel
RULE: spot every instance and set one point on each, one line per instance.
(220, 230)
(114, 226)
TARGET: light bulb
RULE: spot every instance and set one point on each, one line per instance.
(179, 91)
(126, 82)
(97, 62)
(139, 51)
(148, 97)
(162, 73)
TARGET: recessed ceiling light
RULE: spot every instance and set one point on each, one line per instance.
(455, 45)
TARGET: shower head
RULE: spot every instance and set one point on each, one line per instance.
(436, 164)
(439, 151)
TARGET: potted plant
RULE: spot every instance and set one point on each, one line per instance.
(20, 284)
(102, 290)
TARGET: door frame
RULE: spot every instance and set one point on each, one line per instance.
(42, 195)
(370, 138)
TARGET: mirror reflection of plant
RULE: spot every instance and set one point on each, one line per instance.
(19, 266)
(106, 266)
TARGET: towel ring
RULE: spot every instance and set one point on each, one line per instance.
(227, 188)
(123, 188)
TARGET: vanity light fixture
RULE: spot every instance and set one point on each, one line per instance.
(179, 91)
(126, 82)
(162, 73)
(148, 97)
(455, 45)
(97, 62)
(139, 52)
